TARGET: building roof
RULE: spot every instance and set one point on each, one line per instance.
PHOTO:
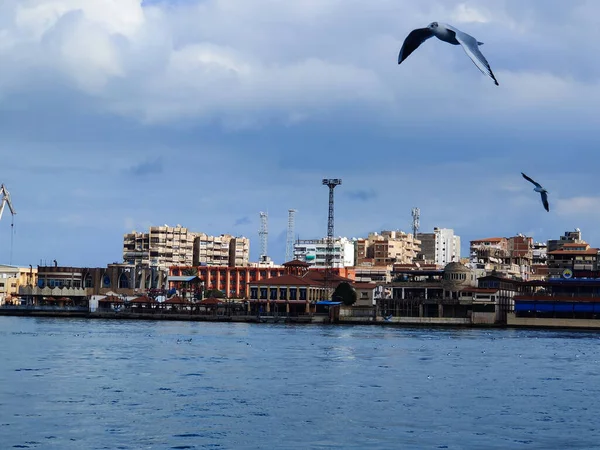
(211, 301)
(492, 239)
(296, 263)
(480, 290)
(364, 285)
(283, 280)
(176, 300)
(589, 251)
(111, 299)
(143, 299)
(314, 278)
(185, 278)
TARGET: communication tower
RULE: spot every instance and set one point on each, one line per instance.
(289, 243)
(264, 235)
(416, 221)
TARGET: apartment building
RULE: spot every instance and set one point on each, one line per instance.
(573, 260)
(223, 250)
(440, 247)
(162, 247)
(314, 251)
(166, 246)
(511, 257)
(569, 237)
(389, 247)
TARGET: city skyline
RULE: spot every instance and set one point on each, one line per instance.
(119, 116)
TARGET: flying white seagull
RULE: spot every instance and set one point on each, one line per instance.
(538, 188)
(451, 35)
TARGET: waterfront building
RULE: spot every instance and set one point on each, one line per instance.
(558, 302)
(75, 285)
(234, 282)
(451, 295)
(313, 252)
(300, 289)
(387, 248)
(12, 278)
(440, 247)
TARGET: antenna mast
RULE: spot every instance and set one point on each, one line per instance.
(416, 221)
(289, 247)
(264, 234)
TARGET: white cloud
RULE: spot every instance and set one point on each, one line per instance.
(578, 207)
(229, 61)
(464, 13)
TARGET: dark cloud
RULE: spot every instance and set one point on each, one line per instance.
(149, 167)
(362, 195)
(242, 221)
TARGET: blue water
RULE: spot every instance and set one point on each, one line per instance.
(91, 384)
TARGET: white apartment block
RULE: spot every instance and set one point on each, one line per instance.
(162, 246)
(440, 247)
(166, 246)
(314, 251)
(223, 250)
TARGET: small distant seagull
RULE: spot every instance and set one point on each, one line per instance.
(538, 188)
(451, 35)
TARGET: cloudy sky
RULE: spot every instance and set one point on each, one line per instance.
(120, 114)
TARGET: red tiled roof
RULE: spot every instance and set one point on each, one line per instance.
(111, 299)
(296, 263)
(283, 280)
(589, 251)
(176, 300)
(211, 301)
(143, 299)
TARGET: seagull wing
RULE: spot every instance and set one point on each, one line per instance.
(412, 42)
(545, 201)
(471, 48)
(529, 179)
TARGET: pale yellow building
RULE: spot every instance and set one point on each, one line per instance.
(13, 277)
(389, 247)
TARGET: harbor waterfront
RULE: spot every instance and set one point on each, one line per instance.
(71, 384)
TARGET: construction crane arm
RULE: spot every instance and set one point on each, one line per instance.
(5, 200)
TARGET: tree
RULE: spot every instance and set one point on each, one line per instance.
(215, 293)
(190, 272)
(345, 293)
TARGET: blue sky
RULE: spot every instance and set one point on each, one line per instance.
(117, 115)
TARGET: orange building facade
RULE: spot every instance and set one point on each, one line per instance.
(235, 281)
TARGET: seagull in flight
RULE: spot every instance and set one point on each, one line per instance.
(538, 188)
(451, 35)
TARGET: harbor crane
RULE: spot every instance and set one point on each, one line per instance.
(5, 196)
